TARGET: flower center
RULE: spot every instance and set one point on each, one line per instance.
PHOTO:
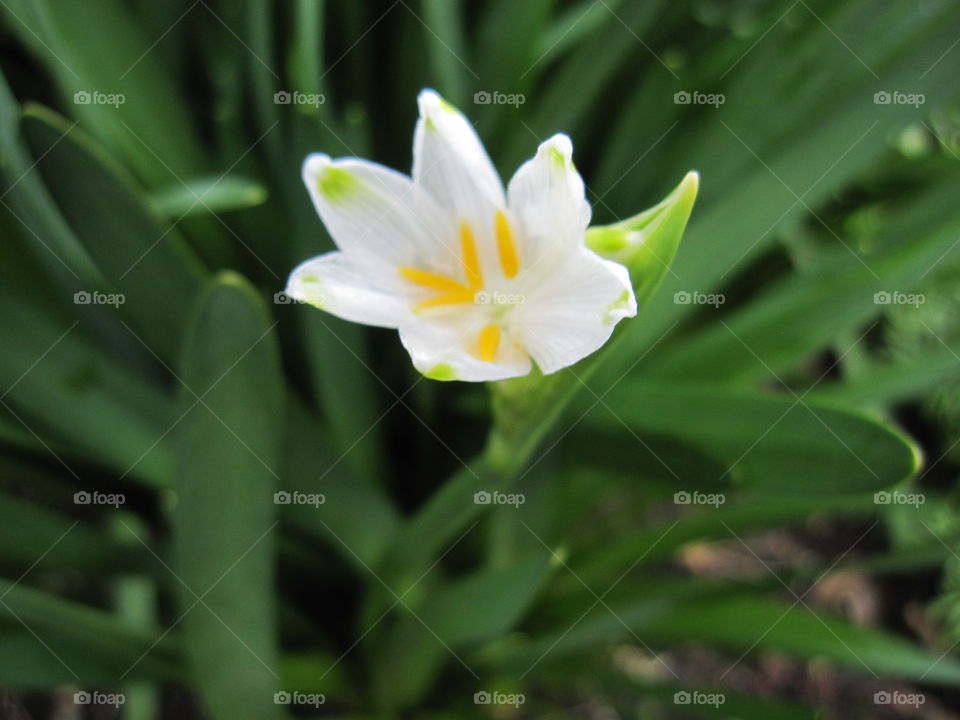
(455, 292)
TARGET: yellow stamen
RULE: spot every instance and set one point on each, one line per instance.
(432, 280)
(461, 296)
(489, 342)
(471, 261)
(506, 247)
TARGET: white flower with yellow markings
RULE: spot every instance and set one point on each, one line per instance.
(478, 280)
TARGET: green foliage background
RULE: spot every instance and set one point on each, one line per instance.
(798, 397)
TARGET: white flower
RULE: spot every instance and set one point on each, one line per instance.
(477, 280)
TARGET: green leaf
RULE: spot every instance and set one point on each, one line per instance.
(224, 521)
(76, 635)
(443, 31)
(81, 399)
(802, 313)
(770, 443)
(478, 608)
(203, 195)
(739, 705)
(357, 519)
(26, 526)
(738, 623)
(600, 565)
(25, 197)
(151, 125)
(158, 275)
(894, 382)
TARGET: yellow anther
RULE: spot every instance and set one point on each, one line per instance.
(489, 342)
(506, 246)
(460, 297)
(471, 261)
(432, 280)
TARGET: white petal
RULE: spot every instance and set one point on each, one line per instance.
(333, 282)
(546, 198)
(571, 310)
(450, 163)
(379, 214)
(446, 350)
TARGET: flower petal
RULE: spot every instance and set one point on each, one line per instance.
(571, 310)
(451, 349)
(379, 214)
(546, 198)
(333, 282)
(450, 163)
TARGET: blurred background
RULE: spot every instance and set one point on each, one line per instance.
(215, 503)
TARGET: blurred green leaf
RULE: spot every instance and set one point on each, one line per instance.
(224, 521)
(778, 444)
(805, 311)
(157, 274)
(26, 526)
(76, 634)
(742, 623)
(453, 615)
(96, 47)
(213, 194)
